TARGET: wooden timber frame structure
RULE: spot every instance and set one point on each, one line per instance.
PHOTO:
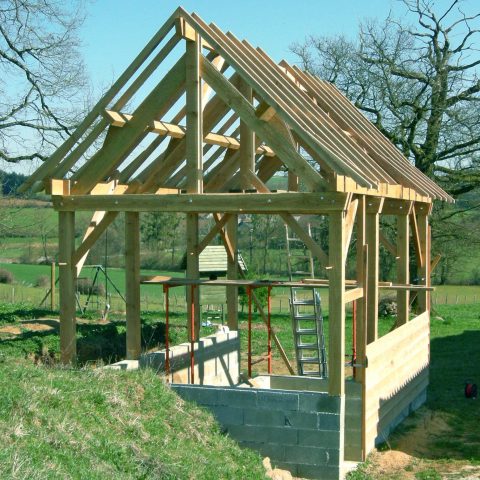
(210, 120)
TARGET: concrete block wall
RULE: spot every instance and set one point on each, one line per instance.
(217, 360)
(300, 431)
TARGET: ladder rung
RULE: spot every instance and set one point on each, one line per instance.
(301, 272)
(309, 360)
(306, 331)
(305, 317)
(308, 346)
(303, 302)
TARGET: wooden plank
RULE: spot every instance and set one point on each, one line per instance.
(336, 305)
(290, 202)
(306, 239)
(361, 280)
(232, 273)
(67, 279)
(265, 112)
(59, 187)
(349, 223)
(213, 232)
(247, 143)
(403, 268)
(194, 138)
(114, 151)
(372, 226)
(407, 330)
(264, 130)
(388, 244)
(416, 238)
(424, 270)
(116, 119)
(353, 294)
(132, 285)
(193, 272)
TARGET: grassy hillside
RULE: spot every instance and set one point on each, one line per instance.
(97, 424)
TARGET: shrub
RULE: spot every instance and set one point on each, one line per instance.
(6, 276)
(85, 286)
(387, 307)
(42, 281)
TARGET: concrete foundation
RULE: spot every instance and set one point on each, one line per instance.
(292, 420)
(217, 360)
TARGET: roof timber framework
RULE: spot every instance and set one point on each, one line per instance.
(205, 138)
(284, 107)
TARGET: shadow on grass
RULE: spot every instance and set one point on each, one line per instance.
(448, 428)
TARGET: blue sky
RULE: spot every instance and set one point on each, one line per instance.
(116, 30)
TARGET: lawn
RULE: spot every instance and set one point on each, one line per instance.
(441, 437)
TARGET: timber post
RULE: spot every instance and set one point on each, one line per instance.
(132, 285)
(67, 276)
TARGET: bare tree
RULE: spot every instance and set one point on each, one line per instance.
(41, 75)
(419, 84)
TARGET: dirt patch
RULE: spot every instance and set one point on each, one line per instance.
(420, 432)
(11, 330)
(391, 464)
(37, 327)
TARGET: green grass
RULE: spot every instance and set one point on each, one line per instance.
(95, 424)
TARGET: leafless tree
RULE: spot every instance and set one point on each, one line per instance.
(419, 84)
(41, 75)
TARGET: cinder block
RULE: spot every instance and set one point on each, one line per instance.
(268, 435)
(301, 420)
(281, 435)
(319, 438)
(328, 421)
(198, 394)
(238, 397)
(227, 415)
(317, 472)
(273, 418)
(248, 433)
(277, 400)
(311, 455)
(319, 402)
(274, 451)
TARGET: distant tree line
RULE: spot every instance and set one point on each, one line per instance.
(10, 181)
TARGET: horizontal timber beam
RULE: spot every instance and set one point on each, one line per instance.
(118, 119)
(292, 202)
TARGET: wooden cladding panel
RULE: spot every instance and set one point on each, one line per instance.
(397, 373)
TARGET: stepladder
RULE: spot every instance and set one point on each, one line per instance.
(305, 311)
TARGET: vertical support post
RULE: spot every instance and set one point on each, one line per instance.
(372, 228)
(166, 298)
(52, 286)
(292, 182)
(232, 274)
(269, 329)
(249, 354)
(132, 284)
(194, 136)
(67, 278)
(403, 270)
(194, 153)
(194, 336)
(247, 143)
(424, 271)
(193, 272)
(361, 335)
(336, 304)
